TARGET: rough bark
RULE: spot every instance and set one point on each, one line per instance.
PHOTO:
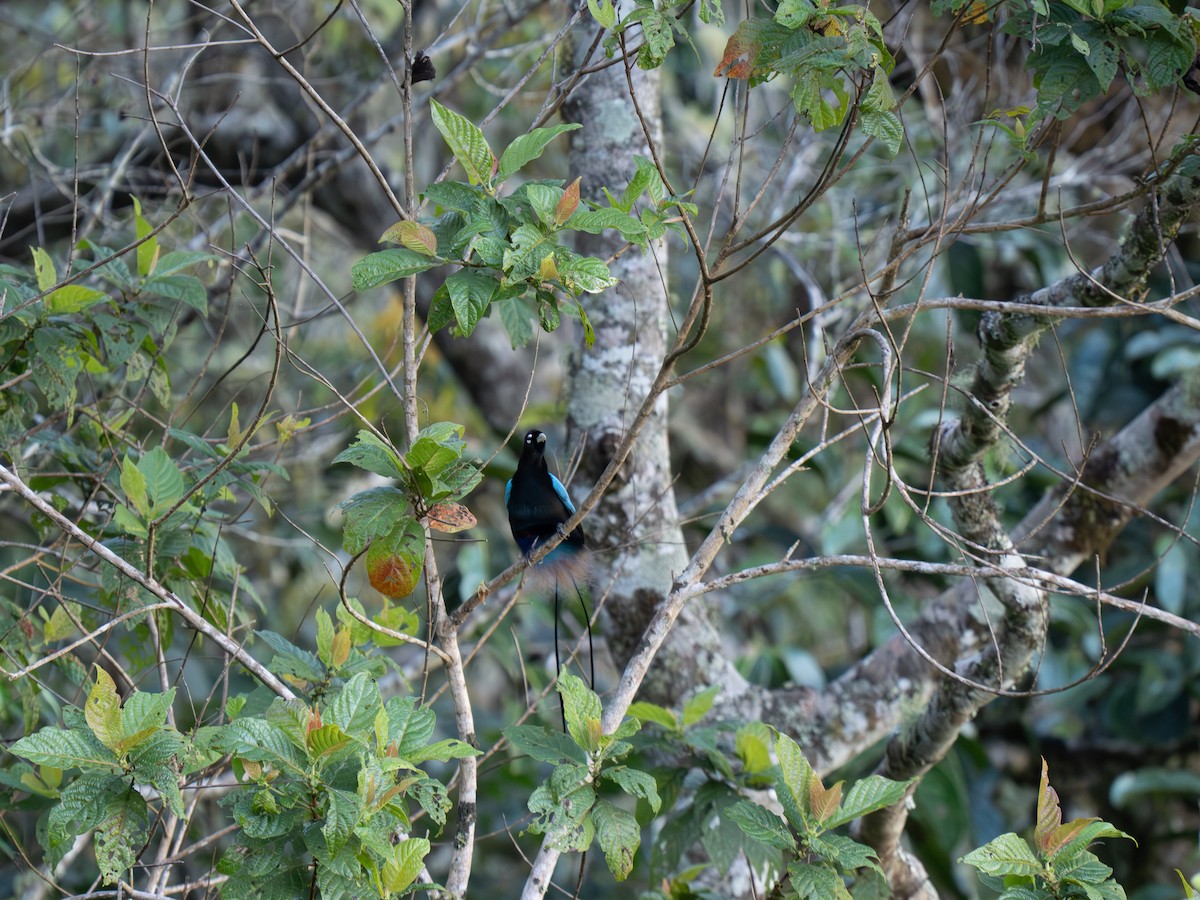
(635, 526)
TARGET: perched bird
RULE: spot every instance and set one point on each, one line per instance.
(538, 507)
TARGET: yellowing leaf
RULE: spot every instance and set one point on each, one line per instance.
(103, 711)
(413, 235)
(389, 574)
(548, 270)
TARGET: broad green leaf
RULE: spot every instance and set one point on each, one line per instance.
(410, 726)
(444, 751)
(164, 481)
(529, 147)
(385, 266)
(761, 824)
(603, 12)
(371, 453)
(466, 142)
(341, 814)
(866, 796)
(583, 711)
(699, 704)
(103, 711)
(355, 706)
(884, 127)
(72, 298)
(618, 834)
(290, 659)
(133, 483)
(651, 712)
(182, 288)
(370, 514)
(795, 777)
(325, 638)
(516, 316)
(470, 295)
(1008, 854)
(544, 744)
(587, 274)
(752, 744)
(120, 836)
(405, 863)
(64, 749)
(636, 783)
(812, 882)
(144, 712)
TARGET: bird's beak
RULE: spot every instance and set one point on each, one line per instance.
(541, 438)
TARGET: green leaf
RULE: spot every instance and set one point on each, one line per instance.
(410, 726)
(761, 825)
(133, 483)
(354, 706)
(72, 298)
(443, 751)
(395, 560)
(753, 746)
(371, 453)
(516, 315)
(341, 814)
(1008, 854)
(384, 266)
(866, 796)
(466, 141)
(587, 274)
(181, 288)
(884, 127)
(812, 882)
(405, 863)
(544, 744)
(164, 481)
(144, 713)
(120, 836)
(470, 295)
(43, 269)
(652, 712)
(699, 704)
(618, 834)
(147, 251)
(529, 147)
(583, 711)
(290, 659)
(847, 854)
(371, 514)
(636, 783)
(795, 778)
(528, 246)
(64, 749)
(603, 12)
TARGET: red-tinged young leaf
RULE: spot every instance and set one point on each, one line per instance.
(450, 517)
(1049, 813)
(823, 801)
(568, 203)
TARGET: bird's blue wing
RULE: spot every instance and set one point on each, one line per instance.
(508, 491)
(558, 489)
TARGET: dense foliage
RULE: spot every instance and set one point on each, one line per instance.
(261, 622)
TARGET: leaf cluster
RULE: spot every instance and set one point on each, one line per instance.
(387, 521)
(1057, 865)
(569, 807)
(508, 248)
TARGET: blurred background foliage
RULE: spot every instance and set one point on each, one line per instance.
(75, 147)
